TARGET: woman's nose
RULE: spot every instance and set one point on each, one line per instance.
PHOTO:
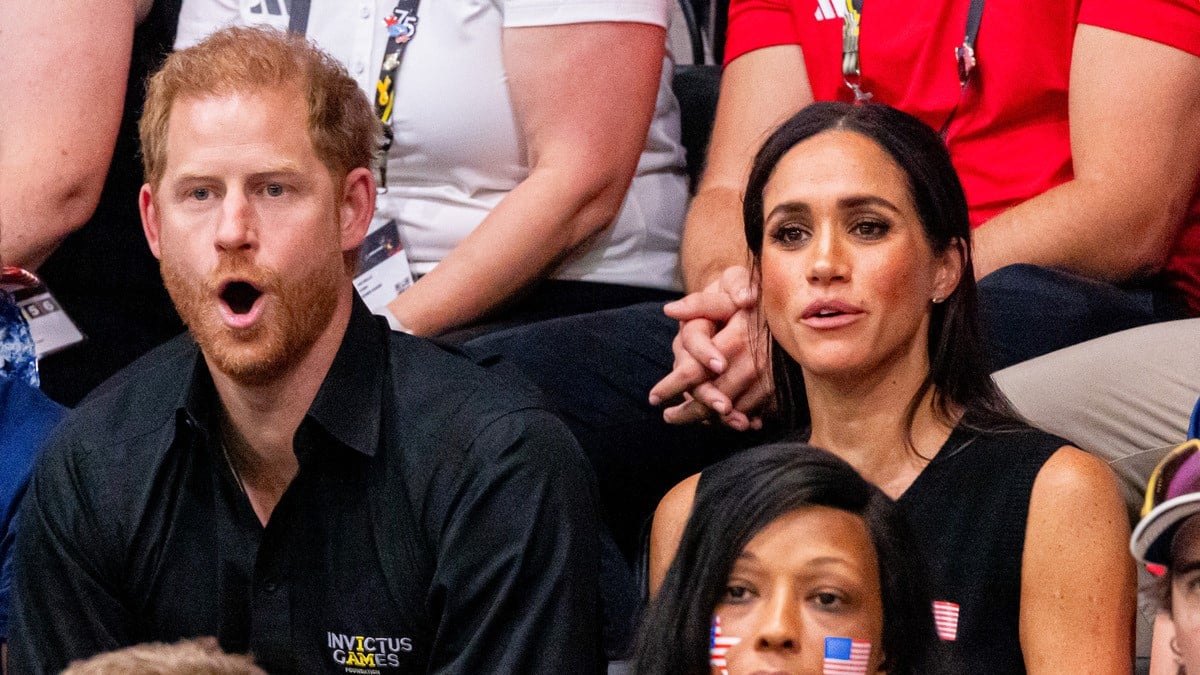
(828, 261)
(780, 627)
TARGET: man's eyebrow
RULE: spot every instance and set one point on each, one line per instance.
(1189, 566)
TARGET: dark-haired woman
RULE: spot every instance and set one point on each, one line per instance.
(789, 557)
(858, 227)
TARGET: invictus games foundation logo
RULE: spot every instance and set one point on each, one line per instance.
(364, 654)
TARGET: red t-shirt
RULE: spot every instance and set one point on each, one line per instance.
(1010, 138)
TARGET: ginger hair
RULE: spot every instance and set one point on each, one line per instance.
(342, 125)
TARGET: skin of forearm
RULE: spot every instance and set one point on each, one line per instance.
(536, 226)
(1090, 227)
(30, 229)
(713, 237)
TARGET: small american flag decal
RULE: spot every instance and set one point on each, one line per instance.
(844, 656)
(945, 619)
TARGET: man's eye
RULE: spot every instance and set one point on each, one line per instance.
(201, 194)
(274, 190)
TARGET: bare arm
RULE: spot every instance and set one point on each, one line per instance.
(759, 90)
(63, 77)
(583, 142)
(715, 367)
(1078, 588)
(1135, 145)
(666, 531)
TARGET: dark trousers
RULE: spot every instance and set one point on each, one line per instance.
(1027, 311)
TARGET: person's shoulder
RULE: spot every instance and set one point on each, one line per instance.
(445, 384)
(1070, 474)
(129, 408)
(1012, 439)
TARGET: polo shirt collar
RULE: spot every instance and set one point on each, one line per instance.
(348, 404)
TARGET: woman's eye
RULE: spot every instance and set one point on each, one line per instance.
(789, 234)
(274, 190)
(827, 600)
(734, 593)
(870, 229)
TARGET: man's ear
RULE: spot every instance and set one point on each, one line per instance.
(950, 266)
(357, 207)
(150, 223)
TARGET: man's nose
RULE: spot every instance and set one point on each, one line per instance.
(236, 230)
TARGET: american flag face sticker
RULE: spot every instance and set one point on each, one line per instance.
(719, 646)
(945, 619)
(844, 656)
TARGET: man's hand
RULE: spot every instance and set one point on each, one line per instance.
(718, 352)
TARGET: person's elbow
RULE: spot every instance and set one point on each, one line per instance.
(594, 194)
(39, 217)
(1153, 230)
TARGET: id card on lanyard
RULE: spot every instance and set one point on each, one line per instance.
(383, 271)
(964, 54)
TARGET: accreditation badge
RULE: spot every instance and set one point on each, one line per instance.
(51, 328)
(383, 271)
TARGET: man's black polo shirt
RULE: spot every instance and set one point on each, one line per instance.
(440, 521)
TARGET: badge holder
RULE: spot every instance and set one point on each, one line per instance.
(383, 271)
(49, 324)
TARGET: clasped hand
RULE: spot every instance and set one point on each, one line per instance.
(720, 356)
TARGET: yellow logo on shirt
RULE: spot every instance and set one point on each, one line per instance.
(367, 654)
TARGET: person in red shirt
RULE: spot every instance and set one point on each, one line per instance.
(1080, 167)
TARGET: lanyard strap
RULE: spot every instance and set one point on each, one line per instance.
(964, 54)
(298, 16)
(401, 29)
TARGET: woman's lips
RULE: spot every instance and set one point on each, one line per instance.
(829, 314)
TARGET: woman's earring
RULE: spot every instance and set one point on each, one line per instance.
(937, 299)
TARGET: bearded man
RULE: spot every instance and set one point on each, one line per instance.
(290, 476)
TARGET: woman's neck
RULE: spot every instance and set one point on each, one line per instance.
(864, 421)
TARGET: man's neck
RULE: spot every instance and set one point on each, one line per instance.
(258, 422)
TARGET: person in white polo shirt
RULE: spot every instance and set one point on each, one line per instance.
(535, 168)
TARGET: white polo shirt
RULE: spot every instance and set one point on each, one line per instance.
(458, 149)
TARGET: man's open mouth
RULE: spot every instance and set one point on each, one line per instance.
(240, 296)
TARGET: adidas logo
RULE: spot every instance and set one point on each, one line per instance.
(264, 8)
(830, 9)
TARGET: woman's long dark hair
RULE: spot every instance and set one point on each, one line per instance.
(959, 371)
(738, 498)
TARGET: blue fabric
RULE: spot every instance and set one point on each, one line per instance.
(26, 419)
(1028, 311)
(18, 359)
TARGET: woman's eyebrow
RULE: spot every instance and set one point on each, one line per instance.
(854, 201)
(789, 209)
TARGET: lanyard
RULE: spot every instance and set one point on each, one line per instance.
(401, 29)
(964, 54)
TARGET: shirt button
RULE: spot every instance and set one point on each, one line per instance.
(271, 586)
(366, 11)
(359, 67)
